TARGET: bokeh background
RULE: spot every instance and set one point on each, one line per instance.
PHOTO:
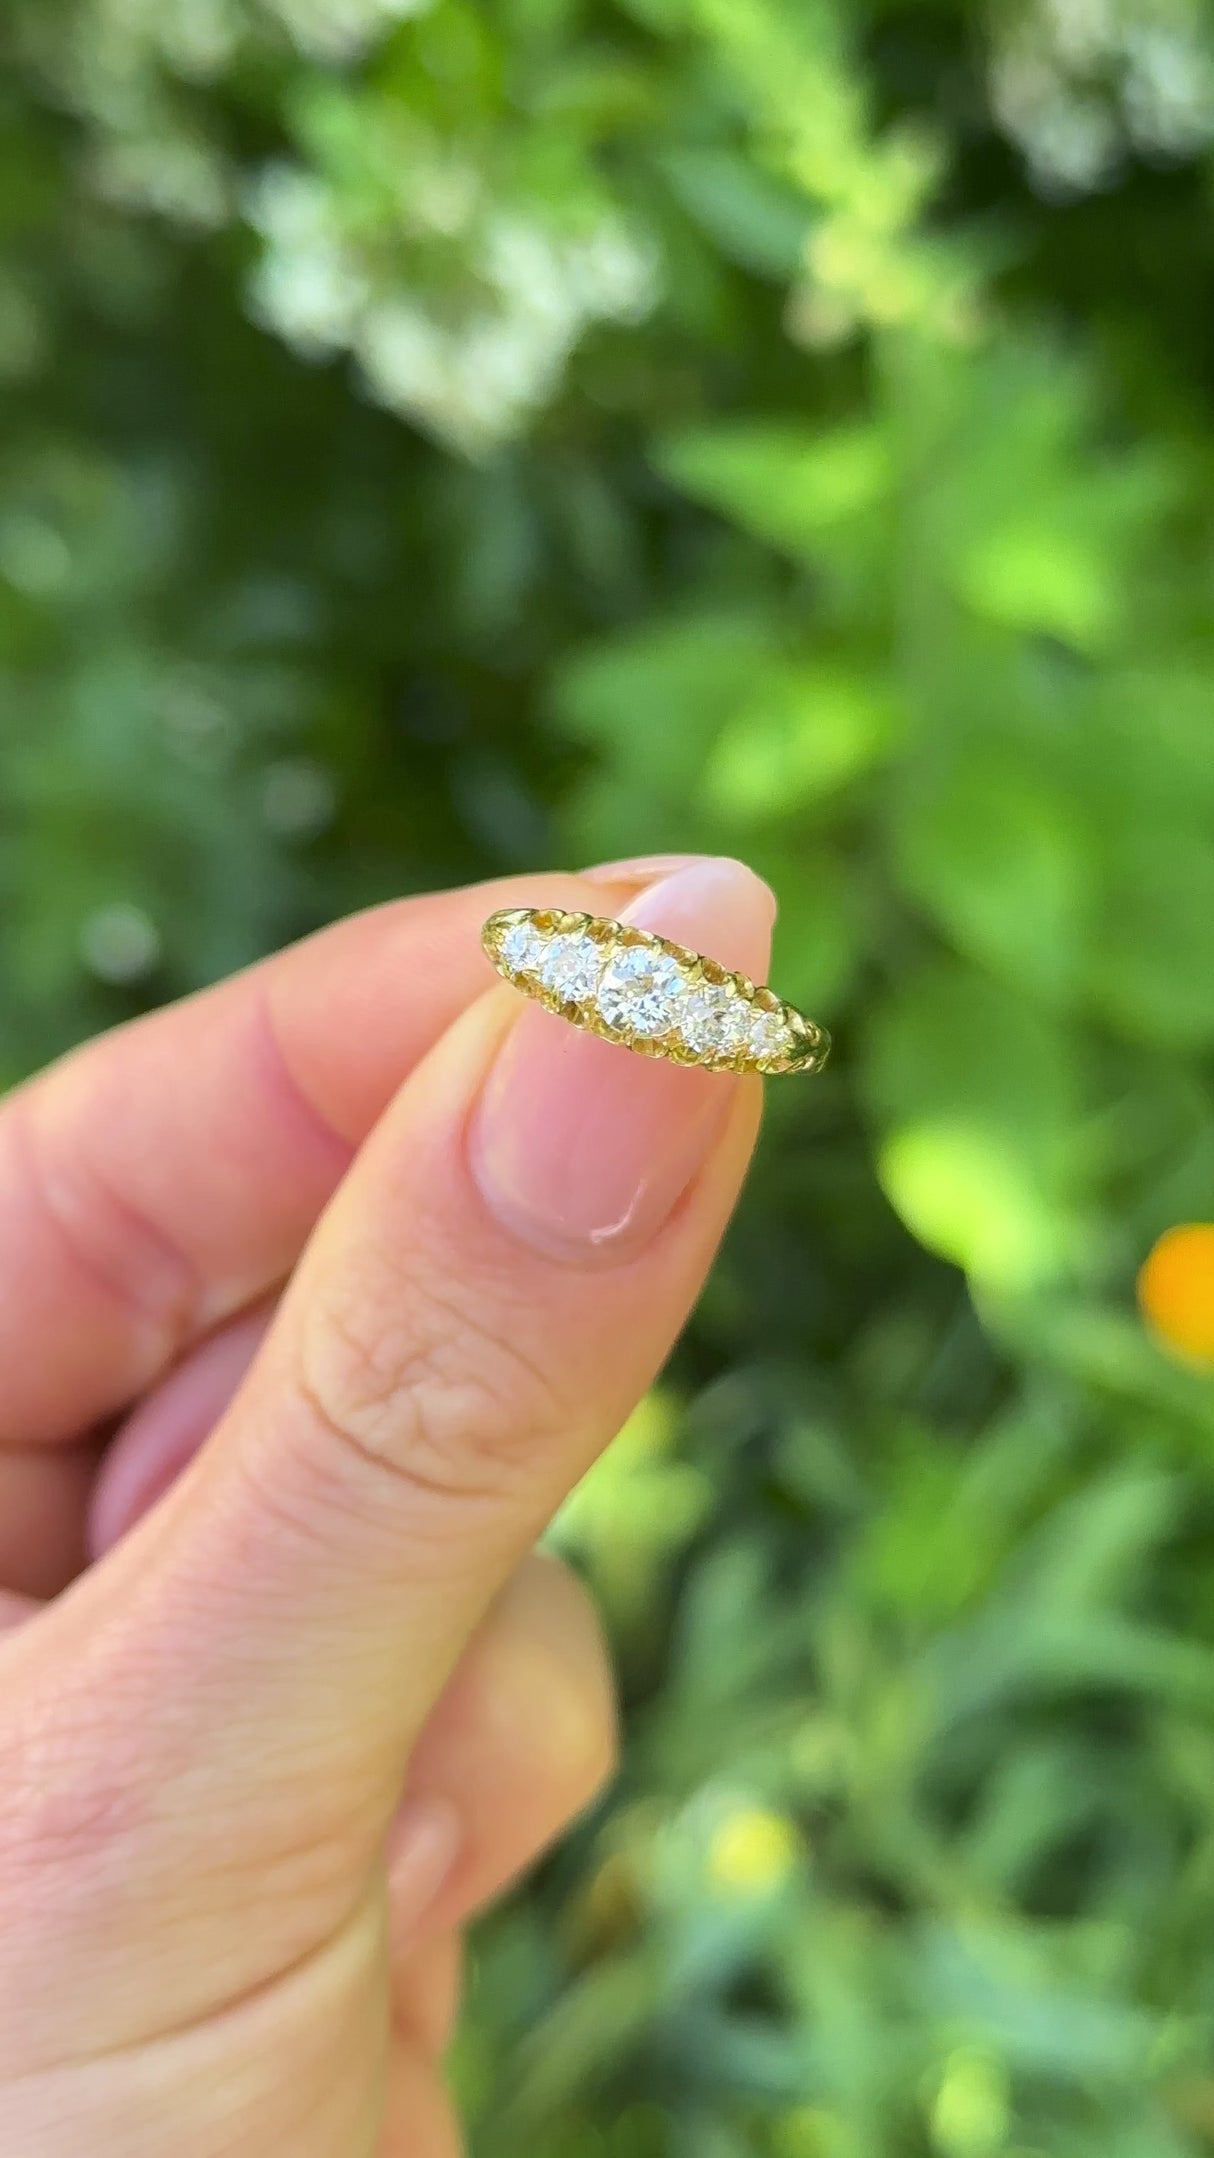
(441, 438)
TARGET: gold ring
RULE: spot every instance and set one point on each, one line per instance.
(629, 986)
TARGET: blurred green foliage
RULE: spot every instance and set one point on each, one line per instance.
(440, 438)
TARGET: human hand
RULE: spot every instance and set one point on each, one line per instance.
(264, 1756)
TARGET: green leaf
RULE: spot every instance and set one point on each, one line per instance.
(636, 1508)
(1032, 574)
(786, 485)
(802, 733)
(820, 928)
(754, 219)
(974, 1092)
(656, 697)
(1000, 857)
(1154, 971)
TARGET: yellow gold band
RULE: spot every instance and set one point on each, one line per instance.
(662, 1000)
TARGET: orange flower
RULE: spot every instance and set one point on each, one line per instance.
(1176, 1290)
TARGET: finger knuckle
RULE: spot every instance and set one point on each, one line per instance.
(423, 1387)
(102, 1231)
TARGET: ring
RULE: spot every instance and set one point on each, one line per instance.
(633, 987)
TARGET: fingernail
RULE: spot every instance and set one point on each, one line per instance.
(641, 868)
(583, 1148)
(648, 868)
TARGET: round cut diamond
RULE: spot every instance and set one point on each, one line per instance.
(768, 1038)
(641, 990)
(714, 1020)
(571, 966)
(523, 947)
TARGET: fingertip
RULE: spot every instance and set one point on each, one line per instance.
(582, 1148)
(716, 905)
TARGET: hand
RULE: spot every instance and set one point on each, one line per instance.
(301, 1716)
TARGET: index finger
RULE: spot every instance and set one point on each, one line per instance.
(162, 1177)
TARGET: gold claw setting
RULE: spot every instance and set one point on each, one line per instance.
(648, 994)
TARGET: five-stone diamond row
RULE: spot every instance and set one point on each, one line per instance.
(633, 987)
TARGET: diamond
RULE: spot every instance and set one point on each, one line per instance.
(641, 989)
(768, 1037)
(571, 966)
(523, 947)
(714, 1020)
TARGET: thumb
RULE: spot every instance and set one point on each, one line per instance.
(494, 1286)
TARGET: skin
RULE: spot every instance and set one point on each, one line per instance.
(317, 1294)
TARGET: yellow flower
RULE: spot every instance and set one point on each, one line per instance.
(752, 1851)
